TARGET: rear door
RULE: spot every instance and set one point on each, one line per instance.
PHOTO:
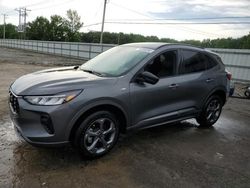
(195, 80)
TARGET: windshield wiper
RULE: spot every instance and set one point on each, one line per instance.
(76, 67)
(93, 72)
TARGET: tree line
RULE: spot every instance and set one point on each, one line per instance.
(59, 28)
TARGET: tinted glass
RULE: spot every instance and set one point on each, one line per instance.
(210, 62)
(192, 62)
(163, 65)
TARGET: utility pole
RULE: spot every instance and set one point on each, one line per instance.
(4, 23)
(22, 20)
(19, 15)
(24, 24)
(103, 19)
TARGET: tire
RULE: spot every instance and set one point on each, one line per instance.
(97, 134)
(210, 112)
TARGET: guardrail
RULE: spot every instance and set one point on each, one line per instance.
(237, 61)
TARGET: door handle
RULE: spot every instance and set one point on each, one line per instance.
(209, 80)
(173, 86)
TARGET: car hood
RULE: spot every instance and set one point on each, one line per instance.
(53, 81)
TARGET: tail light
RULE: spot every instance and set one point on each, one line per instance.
(229, 75)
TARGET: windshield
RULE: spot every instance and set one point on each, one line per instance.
(116, 61)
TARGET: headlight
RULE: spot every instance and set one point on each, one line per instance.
(52, 99)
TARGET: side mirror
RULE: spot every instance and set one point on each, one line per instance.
(147, 77)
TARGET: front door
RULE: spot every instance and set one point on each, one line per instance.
(156, 103)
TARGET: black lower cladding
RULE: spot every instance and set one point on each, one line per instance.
(47, 123)
(14, 103)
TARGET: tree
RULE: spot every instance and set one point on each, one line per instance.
(57, 28)
(38, 29)
(245, 41)
(10, 31)
(192, 42)
(74, 24)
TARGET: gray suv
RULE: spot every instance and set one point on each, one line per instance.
(128, 87)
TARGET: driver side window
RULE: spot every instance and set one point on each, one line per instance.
(163, 65)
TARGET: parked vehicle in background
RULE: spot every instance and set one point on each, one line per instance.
(132, 86)
(247, 92)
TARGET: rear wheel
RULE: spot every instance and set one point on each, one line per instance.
(97, 134)
(211, 112)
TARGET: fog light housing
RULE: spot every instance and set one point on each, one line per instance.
(47, 123)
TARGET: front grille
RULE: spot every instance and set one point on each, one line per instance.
(14, 103)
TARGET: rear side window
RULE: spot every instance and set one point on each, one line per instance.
(192, 62)
(210, 62)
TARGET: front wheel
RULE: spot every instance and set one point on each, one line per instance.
(211, 112)
(97, 134)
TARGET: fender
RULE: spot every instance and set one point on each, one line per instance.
(218, 88)
(95, 103)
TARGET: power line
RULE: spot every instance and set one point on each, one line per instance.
(168, 23)
(185, 29)
(183, 23)
(89, 25)
(131, 10)
(53, 5)
(9, 12)
(97, 10)
(29, 5)
(35, 4)
(182, 19)
(181, 28)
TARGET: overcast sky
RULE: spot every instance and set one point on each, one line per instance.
(142, 11)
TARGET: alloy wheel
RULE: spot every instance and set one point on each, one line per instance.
(99, 135)
(213, 110)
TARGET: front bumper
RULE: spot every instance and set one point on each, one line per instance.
(46, 144)
(28, 122)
